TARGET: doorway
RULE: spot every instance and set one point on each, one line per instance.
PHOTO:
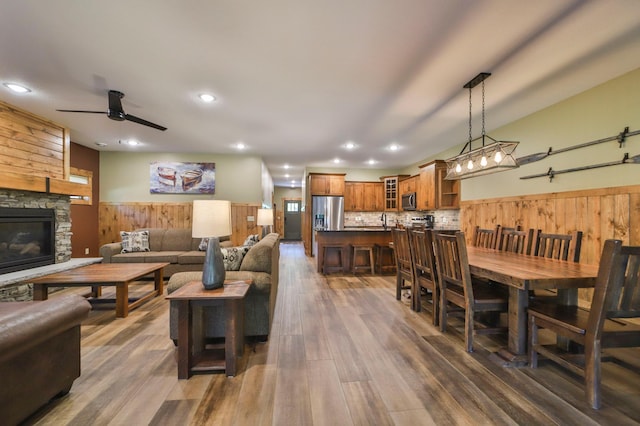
(292, 220)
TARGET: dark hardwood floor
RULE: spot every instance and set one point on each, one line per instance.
(342, 351)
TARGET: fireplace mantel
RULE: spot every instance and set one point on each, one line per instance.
(25, 182)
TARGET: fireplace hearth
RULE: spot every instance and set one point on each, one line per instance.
(27, 238)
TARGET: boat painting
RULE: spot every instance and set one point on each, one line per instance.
(167, 175)
(191, 178)
(170, 177)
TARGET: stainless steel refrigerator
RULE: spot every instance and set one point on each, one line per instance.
(327, 215)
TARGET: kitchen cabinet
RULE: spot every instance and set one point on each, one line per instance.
(363, 196)
(433, 191)
(392, 192)
(373, 196)
(448, 191)
(408, 185)
(326, 184)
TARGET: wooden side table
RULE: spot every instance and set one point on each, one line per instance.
(193, 356)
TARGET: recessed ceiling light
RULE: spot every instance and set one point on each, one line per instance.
(393, 147)
(350, 145)
(101, 144)
(286, 175)
(371, 162)
(240, 145)
(286, 166)
(336, 160)
(17, 88)
(130, 142)
(206, 97)
(293, 181)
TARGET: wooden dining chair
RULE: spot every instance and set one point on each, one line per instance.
(456, 287)
(404, 263)
(554, 246)
(604, 325)
(485, 237)
(424, 270)
(557, 246)
(515, 240)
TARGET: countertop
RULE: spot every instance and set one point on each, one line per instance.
(362, 229)
(381, 229)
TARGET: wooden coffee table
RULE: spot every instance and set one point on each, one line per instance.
(119, 275)
(193, 356)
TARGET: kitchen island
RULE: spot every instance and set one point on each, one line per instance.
(349, 237)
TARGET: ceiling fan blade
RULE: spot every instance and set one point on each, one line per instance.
(88, 112)
(138, 120)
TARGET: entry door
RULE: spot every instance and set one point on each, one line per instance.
(292, 220)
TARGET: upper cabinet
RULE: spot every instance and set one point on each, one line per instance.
(363, 196)
(326, 184)
(409, 184)
(392, 192)
(434, 192)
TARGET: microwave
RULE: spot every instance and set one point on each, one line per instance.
(409, 201)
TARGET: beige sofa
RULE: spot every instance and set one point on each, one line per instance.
(260, 265)
(175, 246)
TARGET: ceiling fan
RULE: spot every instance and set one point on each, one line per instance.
(115, 111)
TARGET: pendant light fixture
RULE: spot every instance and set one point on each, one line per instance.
(491, 157)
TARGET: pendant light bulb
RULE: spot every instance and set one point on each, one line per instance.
(498, 156)
(483, 160)
(470, 165)
(458, 168)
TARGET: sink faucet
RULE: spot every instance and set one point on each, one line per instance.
(383, 218)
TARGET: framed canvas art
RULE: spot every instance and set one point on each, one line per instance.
(170, 177)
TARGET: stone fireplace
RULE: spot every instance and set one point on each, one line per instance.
(60, 205)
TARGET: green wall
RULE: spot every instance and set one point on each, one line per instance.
(595, 114)
(124, 177)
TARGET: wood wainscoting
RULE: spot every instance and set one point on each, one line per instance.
(599, 213)
(116, 217)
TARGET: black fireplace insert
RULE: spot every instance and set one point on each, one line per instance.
(27, 238)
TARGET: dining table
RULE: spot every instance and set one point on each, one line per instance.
(522, 273)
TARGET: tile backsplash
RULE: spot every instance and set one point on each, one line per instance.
(444, 219)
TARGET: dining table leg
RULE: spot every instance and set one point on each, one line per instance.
(515, 354)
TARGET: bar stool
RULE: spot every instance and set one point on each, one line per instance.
(384, 252)
(368, 250)
(337, 249)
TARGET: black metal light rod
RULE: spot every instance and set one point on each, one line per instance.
(477, 80)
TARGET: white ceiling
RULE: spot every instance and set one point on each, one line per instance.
(296, 79)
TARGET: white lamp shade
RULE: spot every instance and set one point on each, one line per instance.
(265, 217)
(211, 218)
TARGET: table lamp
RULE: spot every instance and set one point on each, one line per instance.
(265, 218)
(212, 219)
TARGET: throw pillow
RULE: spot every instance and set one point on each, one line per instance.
(233, 257)
(251, 240)
(135, 241)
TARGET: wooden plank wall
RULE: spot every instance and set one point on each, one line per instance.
(31, 145)
(116, 217)
(600, 214)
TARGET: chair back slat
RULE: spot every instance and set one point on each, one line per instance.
(624, 296)
(557, 246)
(486, 238)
